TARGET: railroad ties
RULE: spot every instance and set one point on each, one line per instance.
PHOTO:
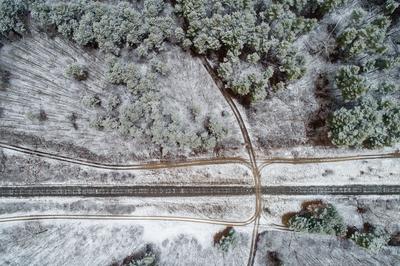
(333, 190)
(123, 191)
(191, 191)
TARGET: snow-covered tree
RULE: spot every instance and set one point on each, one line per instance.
(320, 218)
(12, 16)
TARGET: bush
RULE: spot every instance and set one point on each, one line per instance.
(351, 84)
(4, 77)
(128, 74)
(318, 217)
(227, 240)
(113, 102)
(41, 116)
(373, 238)
(77, 72)
(91, 101)
(149, 259)
(12, 16)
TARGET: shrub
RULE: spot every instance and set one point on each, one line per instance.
(318, 217)
(97, 123)
(12, 16)
(385, 63)
(113, 102)
(273, 259)
(388, 87)
(77, 72)
(116, 73)
(41, 116)
(373, 238)
(126, 74)
(390, 6)
(227, 239)
(329, 5)
(148, 259)
(4, 77)
(351, 84)
(159, 67)
(91, 101)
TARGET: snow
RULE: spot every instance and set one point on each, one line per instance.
(363, 172)
(38, 82)
(379, 210)
(20, 169)
(102, 243)
(227, 208)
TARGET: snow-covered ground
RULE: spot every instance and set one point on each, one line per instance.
(104, 242)
(230, 209)
(295, 249)
(377, 210)
(20, 169)
(314, 249)
(311, 151)
(37, 82)
(380, 171)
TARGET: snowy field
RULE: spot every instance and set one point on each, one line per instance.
(233, 208)
(377, 210)
(103, 243)
(295, 249)
(329, 250)
(363, 172)
(20, 169)
(38, 83)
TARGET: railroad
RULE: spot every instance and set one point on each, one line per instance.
(191, 191)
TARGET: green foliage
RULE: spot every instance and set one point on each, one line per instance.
(373, 240)
(363, 36)
(329, 5)
(351, 84)
(228, 241)
(318, 218)
(41, 116)
(113, 102)
(370, 123)
(159, 67)
(367, 122)
(147, 118)
(244, 30)
(149, 259)
(386, 63)
(253, 83)
(388, 87)
(125, 74)
(12, 16)
(390, 6)
(91, 101)
(77, 72)
(110, 27)
(292, 65)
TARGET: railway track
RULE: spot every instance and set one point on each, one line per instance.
(122, 191)
(333, 190)
(190, 191)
